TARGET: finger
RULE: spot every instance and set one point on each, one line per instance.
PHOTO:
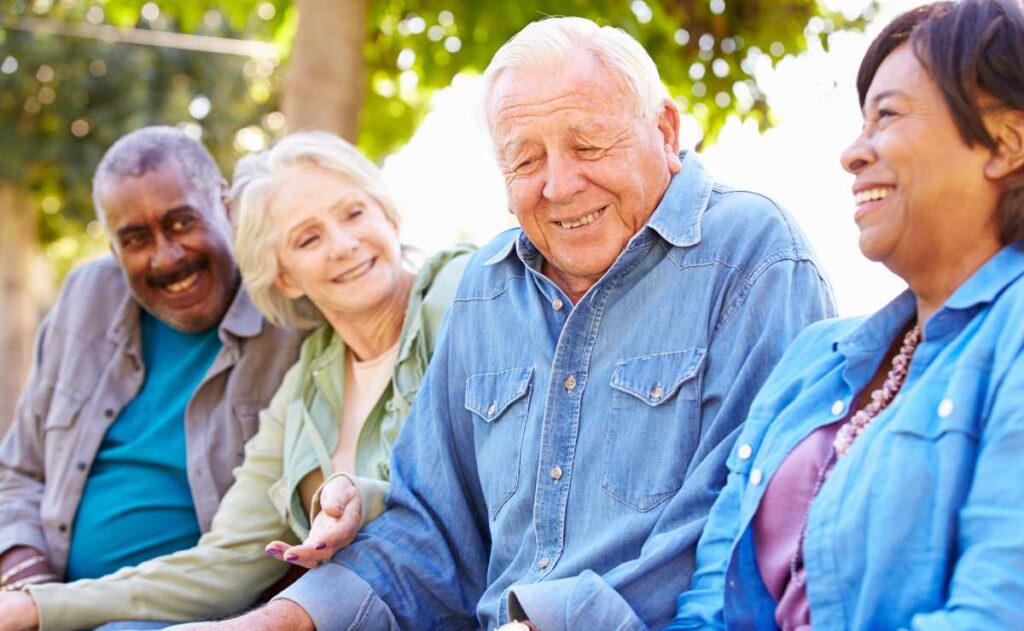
(337, 494)
(305, 556)
(276, 549)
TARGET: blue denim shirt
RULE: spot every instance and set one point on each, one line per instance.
(921, 524)
(571, 453)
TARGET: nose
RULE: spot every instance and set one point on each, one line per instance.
(167, 254)
(343, 242)
(564, 179)
(858, 155)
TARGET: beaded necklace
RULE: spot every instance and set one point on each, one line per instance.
(851, 429)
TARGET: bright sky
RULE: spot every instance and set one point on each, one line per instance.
(451, 190)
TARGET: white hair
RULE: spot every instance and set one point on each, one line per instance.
(551, 41)
(257, 177)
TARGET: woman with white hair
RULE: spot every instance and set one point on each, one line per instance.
(316, 238)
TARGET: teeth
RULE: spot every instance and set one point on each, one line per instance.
(582, 221)
(872, 195)
(354, 273)
(182, 285)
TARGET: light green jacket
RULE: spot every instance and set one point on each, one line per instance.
(228, 569)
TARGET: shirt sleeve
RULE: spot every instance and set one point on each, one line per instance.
(22, 464)
(987, 586)
(422, 564)
(781, 300)
(225, 572)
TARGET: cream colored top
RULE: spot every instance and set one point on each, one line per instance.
(365, 382)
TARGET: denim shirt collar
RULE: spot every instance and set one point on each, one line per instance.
(983, 287)
(676, 218)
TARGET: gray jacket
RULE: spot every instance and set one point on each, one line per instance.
(87, 367)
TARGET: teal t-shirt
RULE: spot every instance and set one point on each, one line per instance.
(137, 503)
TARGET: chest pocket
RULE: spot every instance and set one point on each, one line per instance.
(653, 427)
(500, 404)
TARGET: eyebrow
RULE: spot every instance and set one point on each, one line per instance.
(136, 227)
(342, 202)
(886, 93)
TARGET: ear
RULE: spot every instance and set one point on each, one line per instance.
(287, 288)
(668, 128)
(1007, 128)
(225, 197)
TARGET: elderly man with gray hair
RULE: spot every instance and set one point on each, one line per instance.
(149, 373)
(572, 431)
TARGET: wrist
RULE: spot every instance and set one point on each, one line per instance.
(286, 614)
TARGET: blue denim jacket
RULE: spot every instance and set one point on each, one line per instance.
(571, 454)
(921, 525)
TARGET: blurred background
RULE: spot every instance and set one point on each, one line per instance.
(767, 87)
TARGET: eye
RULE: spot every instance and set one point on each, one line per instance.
(182, 224)
(355, 212)
(133, 240)
(307, 240)
(884, 113)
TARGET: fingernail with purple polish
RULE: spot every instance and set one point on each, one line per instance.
(292, 557)
(321, 546)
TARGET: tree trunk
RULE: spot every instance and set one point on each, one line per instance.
(325, 84)
(19, 294)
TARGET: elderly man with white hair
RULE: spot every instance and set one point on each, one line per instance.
(571, 434)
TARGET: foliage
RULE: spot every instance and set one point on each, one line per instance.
(707, 51)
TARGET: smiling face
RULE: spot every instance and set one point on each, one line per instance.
(584, 171)
(922, 196)
(335, 245)
(173, 245)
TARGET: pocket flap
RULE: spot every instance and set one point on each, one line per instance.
(489, 394)
(655, 379)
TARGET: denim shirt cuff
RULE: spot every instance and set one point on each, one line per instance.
(337, 599)
(577, 602)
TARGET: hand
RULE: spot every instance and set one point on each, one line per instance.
(279, 615)
(333, 528)
(17, 612)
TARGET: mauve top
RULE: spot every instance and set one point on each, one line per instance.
(779, 524)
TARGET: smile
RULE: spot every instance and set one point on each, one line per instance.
(356, 272)
(872, 195)
(184, 284)
(581, 221)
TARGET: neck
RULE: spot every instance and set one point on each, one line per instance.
(942, 275)
(369, 335)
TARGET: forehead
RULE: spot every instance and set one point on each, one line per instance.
(903, 71)
(580, 91)
(130, 199)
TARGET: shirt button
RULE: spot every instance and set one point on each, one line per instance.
(755, 476)
(62, 527)
(557, 304)
(544, 563)
(556, 474)
(656, 392)
(838, 407)
(492, 408)
(745, 452)
(108, 413)
(570, 383)
(945, 408)
(81, 466)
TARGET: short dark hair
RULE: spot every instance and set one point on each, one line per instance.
(147, 149)
(969, 48)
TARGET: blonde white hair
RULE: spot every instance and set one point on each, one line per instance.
(551, 41)
(256, 179)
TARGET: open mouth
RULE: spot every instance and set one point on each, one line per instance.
(183, 284)
(356, 272)
(872, 195)
(585, 220)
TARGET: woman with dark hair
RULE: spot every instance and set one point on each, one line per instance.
(876, 483)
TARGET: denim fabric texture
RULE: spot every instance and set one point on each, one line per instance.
(568, 455)
(919, 526)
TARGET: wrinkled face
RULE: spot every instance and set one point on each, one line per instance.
(335, 245)
(584, 171)
(173, 244)
(921, 193)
